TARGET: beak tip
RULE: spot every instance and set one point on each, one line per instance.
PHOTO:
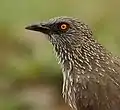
(39, 28)
(33, 27)
(28, 27)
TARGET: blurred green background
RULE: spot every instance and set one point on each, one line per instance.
(30, 78)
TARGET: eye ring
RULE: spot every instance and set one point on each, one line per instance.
(63, 26)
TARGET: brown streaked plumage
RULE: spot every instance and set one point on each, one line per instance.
(91, 74)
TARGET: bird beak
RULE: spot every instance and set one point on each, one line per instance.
(39, 28)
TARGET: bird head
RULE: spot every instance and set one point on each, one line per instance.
(63, 31)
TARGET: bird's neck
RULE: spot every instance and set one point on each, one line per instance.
(79, 62)
(79, 55)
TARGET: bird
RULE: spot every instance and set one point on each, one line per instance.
(91, 73)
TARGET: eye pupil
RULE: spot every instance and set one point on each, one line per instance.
(63, 26)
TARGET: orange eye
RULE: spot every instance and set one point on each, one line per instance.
(64, 26)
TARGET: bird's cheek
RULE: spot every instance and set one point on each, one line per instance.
(52, 38)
